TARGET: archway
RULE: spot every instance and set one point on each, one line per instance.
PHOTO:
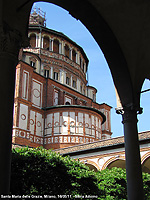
(128, 82)
(146, 163)
(92, 167)
(117, 163)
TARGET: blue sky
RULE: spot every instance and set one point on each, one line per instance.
(98, 70)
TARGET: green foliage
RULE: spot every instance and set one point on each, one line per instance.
(113, 183)
(39, 171)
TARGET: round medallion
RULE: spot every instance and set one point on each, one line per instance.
(80, 124)
(56, 123)
(31, 121)
(65, 123)
(36, 93)
(23, 117)
(39, 124)
(49, 125)
(72, 123)
(22, 133)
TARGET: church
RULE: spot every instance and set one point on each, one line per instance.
(54, 106)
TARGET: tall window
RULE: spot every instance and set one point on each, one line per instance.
(67, 80)
(74, 83)
(33, 40)
(46, 43)
(74, 55)
(46, 73)
(56, 46)
(81, 89)
(66, 51)
(32, 64)
(56, 76)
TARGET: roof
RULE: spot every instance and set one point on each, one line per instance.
(100, 145)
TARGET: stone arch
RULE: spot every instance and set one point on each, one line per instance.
(46, 40)
(92, 165)
(56, 45)
(32, 37)
(74, 55)
(145, 161)
(113, 159)
(67, 50)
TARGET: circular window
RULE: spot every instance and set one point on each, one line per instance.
(65, 123)
(56, 123)
(49, 125)
(72, 124)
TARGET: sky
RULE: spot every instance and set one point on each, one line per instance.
(99, 74)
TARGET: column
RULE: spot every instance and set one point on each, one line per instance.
(64, 77)
(132, 152)
(84, 67)
(71, 84)
(51, 72)
(52, 44)
(60, 75)
(70, 53)
(42, 42)
(60, 48)
(37, 38)
(10, 44)
(78, 85)
(78, 58)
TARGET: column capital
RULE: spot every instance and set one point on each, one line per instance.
(129, 112)
(11, 41)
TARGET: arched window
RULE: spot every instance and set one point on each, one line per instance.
(74, 55)
(66, 51)
(46, 43)
(56, 46)
(67, 103)
(33, 40)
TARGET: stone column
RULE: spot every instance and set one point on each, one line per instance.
(60, 48)
(52, 44)
(70, 53)
(10, 43)
(42, 42)
(132, 152)
(51, 72)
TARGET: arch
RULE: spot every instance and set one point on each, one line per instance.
(32, 38)
(145, 160)
(92, 165)
(46, 42)
(67, 103)
(67, 51)
(56, 45)
(74, 55)
(117, 162)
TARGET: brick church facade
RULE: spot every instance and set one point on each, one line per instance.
(54, 106)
